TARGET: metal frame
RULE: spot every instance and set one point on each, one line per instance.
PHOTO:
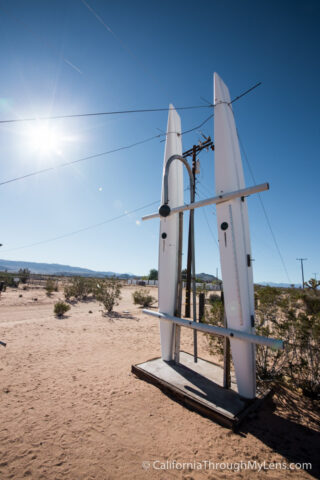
(224, 197)
(193, 273)
(221, 331)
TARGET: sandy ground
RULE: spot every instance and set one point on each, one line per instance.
(71, 409)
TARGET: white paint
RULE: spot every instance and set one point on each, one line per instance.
(234, 242)
(168, 247)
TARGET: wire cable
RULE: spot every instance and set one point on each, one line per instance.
(116, 149)
(89, 227)
(265, 211)
(38, 172)
(95, 114)
(128, 111)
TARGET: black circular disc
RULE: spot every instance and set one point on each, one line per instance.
(224, 226)
(164, 210)
(164, 235)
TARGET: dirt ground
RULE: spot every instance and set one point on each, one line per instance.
(71, 409)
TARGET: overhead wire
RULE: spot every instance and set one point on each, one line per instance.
(60, 165)
(128, 111)
(265, 212)
(54, 167)
(89, 227)
(116, 149)
(95, 114)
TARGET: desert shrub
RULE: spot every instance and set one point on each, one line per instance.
(303, 367)
(24, 275)
(108, 292)
(143, 298)
(79, 288)
(51, 286)
(60, 308)
(312, 304)
(214, 298)
(215, 316)
(277, 316)
(8, 280)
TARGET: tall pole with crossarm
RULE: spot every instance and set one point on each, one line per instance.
(302, 260)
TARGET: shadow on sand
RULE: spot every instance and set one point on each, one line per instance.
(295, 442)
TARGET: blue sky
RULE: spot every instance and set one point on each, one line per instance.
(159, 52)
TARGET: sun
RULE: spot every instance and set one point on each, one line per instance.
(44, 139)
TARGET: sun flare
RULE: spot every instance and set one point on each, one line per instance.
(45, 139)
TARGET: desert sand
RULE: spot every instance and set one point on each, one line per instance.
(72, 409)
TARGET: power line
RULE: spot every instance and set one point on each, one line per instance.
(95, 114)
(38, 172)
(89, 227)
(116, 149)
(97, 155)
(128, 111)
(109, 220)
(264, 211)
(245, 93)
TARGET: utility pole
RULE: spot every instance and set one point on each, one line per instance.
(193, 152)
(315, 275)
(302, 260)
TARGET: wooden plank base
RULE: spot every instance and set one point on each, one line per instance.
(199, 386)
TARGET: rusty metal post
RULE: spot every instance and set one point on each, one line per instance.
(201, 306)
(226, 351)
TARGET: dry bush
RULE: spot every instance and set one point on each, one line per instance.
(143, 298)
(108, 292)
(60, 308)
(291, 316)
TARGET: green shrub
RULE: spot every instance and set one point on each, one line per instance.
(108, 293)
(24, 275)
(8, 279)
(60, 308)
(278, 315)
(143, 297)
(51, 286)
(79, 288)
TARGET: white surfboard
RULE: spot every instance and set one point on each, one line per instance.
(234, 239)
(169, 234)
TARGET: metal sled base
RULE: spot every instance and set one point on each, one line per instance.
(199, 386)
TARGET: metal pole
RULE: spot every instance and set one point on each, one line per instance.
(226, 351)
(301, 260)
(193, 263)
(221, 331)
(201, 306)
(177, 328)
(190, 240)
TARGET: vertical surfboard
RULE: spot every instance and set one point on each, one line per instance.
(234, 239)
(169, 234)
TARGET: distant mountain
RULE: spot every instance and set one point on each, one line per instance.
(56, 269)
(206, 277)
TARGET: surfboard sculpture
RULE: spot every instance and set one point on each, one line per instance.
(169, 234)
(234, 239)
